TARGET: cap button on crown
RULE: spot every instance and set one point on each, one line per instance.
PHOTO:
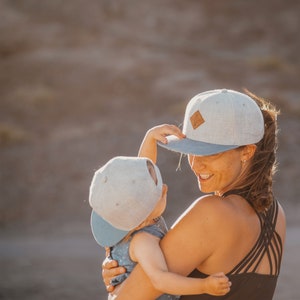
(224, 91)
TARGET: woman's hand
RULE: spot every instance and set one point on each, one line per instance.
(157, 134)
(110, 269)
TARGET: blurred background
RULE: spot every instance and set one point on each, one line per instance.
(82, 81)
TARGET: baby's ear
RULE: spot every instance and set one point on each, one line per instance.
(164, 190)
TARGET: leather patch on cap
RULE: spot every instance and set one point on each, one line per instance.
(196, 119)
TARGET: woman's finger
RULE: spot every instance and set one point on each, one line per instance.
(109, 274)
(110, 288)
(109, 263)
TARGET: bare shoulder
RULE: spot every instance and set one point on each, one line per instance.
(213, 212)
(196, 234)
(207, 211)
(211, 205)
(193, 236)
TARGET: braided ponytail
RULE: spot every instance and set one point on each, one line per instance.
(257, 183)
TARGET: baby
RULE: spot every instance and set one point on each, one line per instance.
(128, 198)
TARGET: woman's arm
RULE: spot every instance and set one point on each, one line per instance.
(156, 134)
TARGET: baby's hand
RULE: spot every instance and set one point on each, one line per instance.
(159, 133)
(217, 284)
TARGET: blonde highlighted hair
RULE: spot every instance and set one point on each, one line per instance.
(256, 185)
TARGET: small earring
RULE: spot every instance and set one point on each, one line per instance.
(244, 160)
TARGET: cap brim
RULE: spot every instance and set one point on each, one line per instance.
(105, 234)
(188, 146)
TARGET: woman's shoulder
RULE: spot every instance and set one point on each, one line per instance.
(213, 205)
(209, 209)
(217, 211)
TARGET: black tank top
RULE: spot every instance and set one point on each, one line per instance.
(246, 283)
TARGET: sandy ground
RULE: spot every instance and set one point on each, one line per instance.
(81, 81)
(67, 266)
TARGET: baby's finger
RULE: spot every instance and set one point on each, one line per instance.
(174, 130)
(224, 291)
(223, 279)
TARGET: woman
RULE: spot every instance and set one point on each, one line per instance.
(231, 141)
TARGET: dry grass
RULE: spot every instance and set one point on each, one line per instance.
(10, 134)
(269, 63)
(35, 96)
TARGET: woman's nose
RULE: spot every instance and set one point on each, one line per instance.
(196, 163)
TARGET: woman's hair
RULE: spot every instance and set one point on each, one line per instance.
(256, 185)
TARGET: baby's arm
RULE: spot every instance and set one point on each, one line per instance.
(145, 250)
(156, 134)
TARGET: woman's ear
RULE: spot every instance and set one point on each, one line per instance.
(247, 152)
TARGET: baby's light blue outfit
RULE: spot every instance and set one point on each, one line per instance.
(120, 252)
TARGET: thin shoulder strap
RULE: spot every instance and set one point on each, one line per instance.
(268, 246)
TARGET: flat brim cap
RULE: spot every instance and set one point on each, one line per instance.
(216, 121)
(105, 234)
(188, 146)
